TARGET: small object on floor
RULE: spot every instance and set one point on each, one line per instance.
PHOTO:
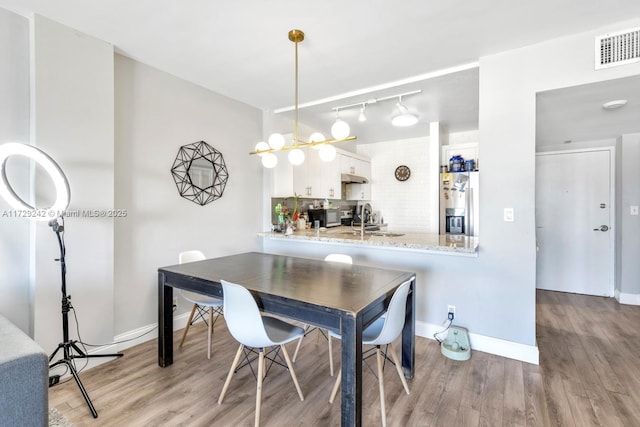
(53, 380)
(56, 419)
(456, 346)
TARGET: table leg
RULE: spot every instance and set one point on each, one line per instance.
(409, 334)
(165, 323)
(351, 332)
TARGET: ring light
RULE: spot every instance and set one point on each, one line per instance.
(63, 193)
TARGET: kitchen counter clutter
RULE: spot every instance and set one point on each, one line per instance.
(445, 244)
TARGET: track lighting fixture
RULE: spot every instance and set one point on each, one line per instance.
(361, 116)
(405, 117)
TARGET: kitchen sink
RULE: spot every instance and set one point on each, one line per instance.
(373, 233)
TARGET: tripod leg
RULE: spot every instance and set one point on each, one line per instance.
(76, 377)
(82, 354)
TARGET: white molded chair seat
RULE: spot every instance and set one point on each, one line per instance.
(340, 258)
(383, 331)
(202, 304)
(251, 329)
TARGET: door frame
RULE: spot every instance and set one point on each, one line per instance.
(612, 203)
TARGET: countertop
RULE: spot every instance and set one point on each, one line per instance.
(445, 244)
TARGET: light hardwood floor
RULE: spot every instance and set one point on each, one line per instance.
(589, 375)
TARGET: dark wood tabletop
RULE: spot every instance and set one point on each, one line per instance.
(342, 297)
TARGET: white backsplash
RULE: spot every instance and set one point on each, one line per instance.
(403, 205)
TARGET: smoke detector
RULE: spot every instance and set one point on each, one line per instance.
(612, 105)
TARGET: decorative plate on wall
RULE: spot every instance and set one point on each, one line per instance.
(403, 173)
(200, 173)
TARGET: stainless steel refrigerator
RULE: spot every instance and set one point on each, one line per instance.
(459, 195)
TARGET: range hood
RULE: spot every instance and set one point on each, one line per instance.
(348, 178)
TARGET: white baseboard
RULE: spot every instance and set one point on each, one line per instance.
(121, 342)
(499, 347)
(630, 299)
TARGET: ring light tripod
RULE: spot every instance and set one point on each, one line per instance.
(61, 183)
(67, 345)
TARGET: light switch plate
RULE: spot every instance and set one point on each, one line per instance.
(633, 210)
(508, 214)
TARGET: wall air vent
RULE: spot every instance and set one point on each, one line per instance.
(619, 48)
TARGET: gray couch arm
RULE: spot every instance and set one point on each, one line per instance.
(24, 379)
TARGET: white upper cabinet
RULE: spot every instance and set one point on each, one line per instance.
(317, 179)
(355, 166)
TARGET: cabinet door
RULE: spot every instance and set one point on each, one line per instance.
(282, 178)
(354, 166)
(329, 182)
(358, 192)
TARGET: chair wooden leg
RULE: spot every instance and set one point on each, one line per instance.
(394, 357)
(330, 353)
(186, 329)
(210, 334)
(295, 353)
(291, 371)
(336, 386)
(383, 412)
(259, 386)
(236, 360)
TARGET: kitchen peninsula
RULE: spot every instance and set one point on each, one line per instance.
(458, 245)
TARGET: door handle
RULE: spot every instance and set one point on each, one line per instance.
(602, 228)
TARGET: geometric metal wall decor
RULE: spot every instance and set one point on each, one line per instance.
(200, 173)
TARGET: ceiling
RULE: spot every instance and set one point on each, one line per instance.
(241, 49)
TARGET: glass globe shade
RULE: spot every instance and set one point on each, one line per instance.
(261, 146)
(316, 137)
(269, 160)
(296, 156)
(327, 153)
(340, 129)
(276, 141)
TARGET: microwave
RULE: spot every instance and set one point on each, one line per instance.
(327, 217)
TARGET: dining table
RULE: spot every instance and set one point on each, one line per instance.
(345, 298)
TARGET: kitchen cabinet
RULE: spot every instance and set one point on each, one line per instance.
(352, 165)
(317, 179)
(358, 191)
(282, 177)
(320, 180)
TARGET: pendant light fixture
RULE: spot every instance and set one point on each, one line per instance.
(276, 142)
(361, 116)
(405, 117)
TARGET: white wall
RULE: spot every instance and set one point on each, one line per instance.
(403, 205)
(15, 295)
(508, 86)
(72, 120)
(115, 128)
(156, 114)
(630, 225)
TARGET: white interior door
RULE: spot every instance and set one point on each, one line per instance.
(574, 222)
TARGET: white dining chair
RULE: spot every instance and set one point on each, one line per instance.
(340, 258)
(203, 305)
(384, 331)
(252, 329)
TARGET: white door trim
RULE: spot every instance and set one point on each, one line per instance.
(612, 200)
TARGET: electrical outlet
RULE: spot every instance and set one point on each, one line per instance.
(451, 312)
